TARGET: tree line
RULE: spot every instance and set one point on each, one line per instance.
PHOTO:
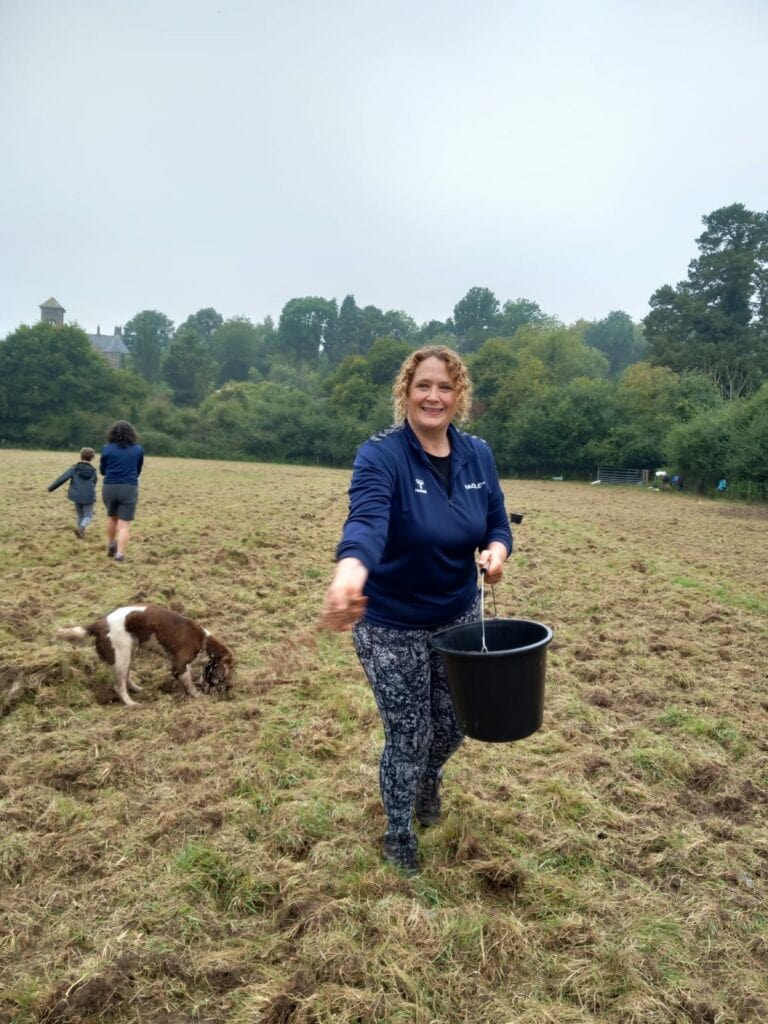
(687, 388)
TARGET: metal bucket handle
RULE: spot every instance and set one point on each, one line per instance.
(515, 517)
(483, 571)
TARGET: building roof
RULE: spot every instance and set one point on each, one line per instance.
(109, 343)
(52, 304)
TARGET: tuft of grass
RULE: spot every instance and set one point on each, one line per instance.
(16, 862)
(658, 760)
(206, 872)
(720, 730)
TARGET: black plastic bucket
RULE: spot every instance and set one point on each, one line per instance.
(498, 694)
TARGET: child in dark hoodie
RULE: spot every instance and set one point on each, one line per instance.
(82, 488)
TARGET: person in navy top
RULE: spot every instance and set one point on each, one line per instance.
(122, 459)
(426, 511)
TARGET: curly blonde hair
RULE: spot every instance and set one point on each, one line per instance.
(456, 369)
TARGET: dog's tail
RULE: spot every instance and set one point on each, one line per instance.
(75, 634)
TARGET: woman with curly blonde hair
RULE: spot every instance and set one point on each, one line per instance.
(456, 370)
(425, 512)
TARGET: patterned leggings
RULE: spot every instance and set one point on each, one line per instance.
(420, 728)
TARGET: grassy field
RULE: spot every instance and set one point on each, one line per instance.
(217, 860)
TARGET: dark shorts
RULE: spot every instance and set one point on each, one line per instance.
(120, 500)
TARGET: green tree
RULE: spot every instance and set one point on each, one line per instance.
(475, 318)
(356, 330)
(519, 384)
(651, 400)
(619, 339)
(224, 418)
(537, 427)
(239, 346)
(751, 429)
(355, 396)
(49, 372)
(385, 359)
(520, 313)
(491, 366)
(204, 322)
(562, 350)
(304, 326)
(716, 321)
(276, 422)
(147, 337)
(730, 442)
(352, 366)
(188, 367)
(373, 325)
(399, 325)
(436, 332)
(704, 448)
(507, 383)
(568, 429)
(529, 384)
(347, 337)
(269, 421)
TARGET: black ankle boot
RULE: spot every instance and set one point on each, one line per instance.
(401, 850)
(427, 807)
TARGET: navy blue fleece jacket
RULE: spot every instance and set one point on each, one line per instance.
(417, 539)
(120, 465)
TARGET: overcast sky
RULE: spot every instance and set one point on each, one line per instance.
(177, 154)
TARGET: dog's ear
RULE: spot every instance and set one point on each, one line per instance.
(218, 670)
(216, 649)
(220, 652)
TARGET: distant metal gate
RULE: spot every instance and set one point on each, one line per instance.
(624, 477)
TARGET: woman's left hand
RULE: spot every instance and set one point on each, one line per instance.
(492, 559)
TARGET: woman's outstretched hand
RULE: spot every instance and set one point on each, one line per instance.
(491, 561)
(344, 600)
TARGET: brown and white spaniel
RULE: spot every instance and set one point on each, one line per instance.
(119, 634)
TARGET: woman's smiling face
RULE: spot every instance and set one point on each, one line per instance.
(431, 403)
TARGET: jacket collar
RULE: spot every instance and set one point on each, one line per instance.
(459, 446)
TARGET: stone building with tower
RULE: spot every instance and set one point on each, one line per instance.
(52, 312)
(111, 346)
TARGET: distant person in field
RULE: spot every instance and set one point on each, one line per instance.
(82, 489)
(423, 501)
(122, 459)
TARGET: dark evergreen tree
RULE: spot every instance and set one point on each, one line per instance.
(716, 321)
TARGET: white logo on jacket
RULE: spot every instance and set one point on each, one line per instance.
(420, 488)
(474, 487)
